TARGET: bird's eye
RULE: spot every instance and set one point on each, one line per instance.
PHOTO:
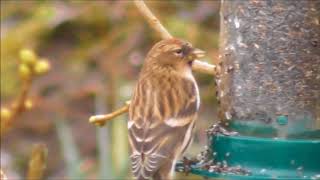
(178, 52)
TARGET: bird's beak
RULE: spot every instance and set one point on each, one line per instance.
(197, 53)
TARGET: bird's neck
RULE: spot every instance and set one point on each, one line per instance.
(179, 70)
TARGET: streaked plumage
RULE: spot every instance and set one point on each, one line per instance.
(163, 109)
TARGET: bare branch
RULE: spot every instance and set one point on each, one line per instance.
(37, 162)
(30, 67)
(100, 120)
(204, 67)
(162, 31)
(152, 19)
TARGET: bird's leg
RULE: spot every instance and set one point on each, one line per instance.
(187, 164)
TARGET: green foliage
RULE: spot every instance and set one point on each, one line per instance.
(69, 150)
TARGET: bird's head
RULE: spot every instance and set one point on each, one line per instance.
(174, 52)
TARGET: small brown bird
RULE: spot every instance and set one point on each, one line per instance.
(163, 109)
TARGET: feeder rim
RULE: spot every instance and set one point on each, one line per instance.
(278, 139)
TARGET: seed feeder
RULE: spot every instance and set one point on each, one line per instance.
(269, 89)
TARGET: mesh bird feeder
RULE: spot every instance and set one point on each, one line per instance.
(269, 89)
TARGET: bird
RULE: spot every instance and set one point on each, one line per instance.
(163, 109)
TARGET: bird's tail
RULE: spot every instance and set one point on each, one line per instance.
(149, 166)
(165, 172)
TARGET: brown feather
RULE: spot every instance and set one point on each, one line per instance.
(162, 112)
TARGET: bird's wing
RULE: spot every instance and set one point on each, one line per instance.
(160, 125)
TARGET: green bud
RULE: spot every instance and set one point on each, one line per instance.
(28, 57)
(28, 104)
(41, 67)
(5, 113)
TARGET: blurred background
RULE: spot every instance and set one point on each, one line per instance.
(95, 50)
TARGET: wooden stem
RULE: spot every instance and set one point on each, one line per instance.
(152, 19)
(17, 107)
(100, 120)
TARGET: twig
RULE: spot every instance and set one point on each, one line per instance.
(19, 106)
(29, 67)
(153, 21)
(100, 120)
(204, 67)
(16, 108)
(37, 163)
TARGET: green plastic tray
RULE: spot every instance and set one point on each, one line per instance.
(265, 158)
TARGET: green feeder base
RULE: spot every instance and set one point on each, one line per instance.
(264, 158)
